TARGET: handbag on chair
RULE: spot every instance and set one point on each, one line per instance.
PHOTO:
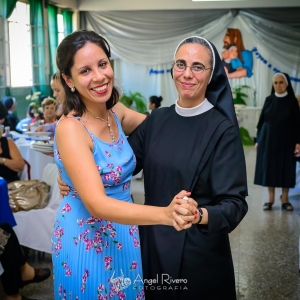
(28, 194)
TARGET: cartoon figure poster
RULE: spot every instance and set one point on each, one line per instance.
(237, 61)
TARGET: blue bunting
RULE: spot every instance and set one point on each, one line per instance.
(157, 72)
(275, 70)
(254, 50)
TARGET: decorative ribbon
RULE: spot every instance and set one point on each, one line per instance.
(254, 50)
(275, 70)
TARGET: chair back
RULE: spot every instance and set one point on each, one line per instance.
(28, 169)
(25, 174)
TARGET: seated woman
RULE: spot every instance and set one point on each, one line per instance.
(155, 102)
(11, 161)
(49, 106)
(17, 272)
(30, 117)
(3, 114)
(11, 119)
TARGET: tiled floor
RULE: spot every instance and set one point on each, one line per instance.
(265, 248)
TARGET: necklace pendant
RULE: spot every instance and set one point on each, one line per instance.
(111, 133)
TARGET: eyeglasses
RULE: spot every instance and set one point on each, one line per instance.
(196, 68)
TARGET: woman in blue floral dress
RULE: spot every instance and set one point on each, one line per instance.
(95, 246)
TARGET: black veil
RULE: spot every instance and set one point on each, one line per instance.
(218, 91)
(289, 88)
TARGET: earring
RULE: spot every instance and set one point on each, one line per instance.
(73, 89)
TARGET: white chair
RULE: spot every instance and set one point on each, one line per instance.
(34, 227)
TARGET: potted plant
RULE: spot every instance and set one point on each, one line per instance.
(238, 96)
(135, 101)
(35, 104)
(239, 102)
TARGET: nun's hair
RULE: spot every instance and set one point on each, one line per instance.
(199, 41)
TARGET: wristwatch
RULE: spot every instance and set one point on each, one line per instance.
(200, 214)
(3, 161)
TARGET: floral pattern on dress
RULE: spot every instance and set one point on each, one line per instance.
(94, 258)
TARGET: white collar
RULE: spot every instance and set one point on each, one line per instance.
(281, 95)
(193, 111)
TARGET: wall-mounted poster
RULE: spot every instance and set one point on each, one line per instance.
(238, 61)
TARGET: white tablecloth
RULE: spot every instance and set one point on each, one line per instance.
(34, 227)
(37, 160)
(248, 118)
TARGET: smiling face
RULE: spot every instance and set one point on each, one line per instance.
(91, 74)
(191, 86)
(279, 84)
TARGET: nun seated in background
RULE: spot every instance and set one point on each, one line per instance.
(11, 119)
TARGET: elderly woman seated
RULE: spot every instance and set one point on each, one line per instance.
(11, 161)
(49, 106)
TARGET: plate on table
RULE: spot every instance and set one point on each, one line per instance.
(33, 134)
(46, 147)
(40, 138)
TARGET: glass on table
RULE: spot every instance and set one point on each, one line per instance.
(6, 131)
(25, 128)
(41, 122)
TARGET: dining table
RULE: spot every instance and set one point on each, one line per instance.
(37, 160)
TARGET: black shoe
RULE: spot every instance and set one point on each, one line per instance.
(287, 206)
(267, 206)
(39, 276)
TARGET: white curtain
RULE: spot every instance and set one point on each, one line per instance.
(150, 37)
(142, 41)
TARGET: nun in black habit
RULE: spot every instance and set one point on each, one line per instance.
(193, 145)
(11, 119)
(278, 141)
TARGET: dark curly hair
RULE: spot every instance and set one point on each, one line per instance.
(156, 100)
(65, 59)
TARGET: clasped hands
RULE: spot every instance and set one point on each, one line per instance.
(181, 213)
(184, 211)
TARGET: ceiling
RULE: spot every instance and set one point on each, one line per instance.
(123, 5)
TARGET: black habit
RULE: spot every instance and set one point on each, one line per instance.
(278, 132)
(202, 154)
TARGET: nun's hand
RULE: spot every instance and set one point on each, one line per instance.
(63, 187)
(185, 212)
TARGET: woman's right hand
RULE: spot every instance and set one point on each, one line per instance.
(186, 209)
(40, 129)
(63, 187)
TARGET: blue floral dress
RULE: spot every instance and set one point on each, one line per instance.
(95, 258)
